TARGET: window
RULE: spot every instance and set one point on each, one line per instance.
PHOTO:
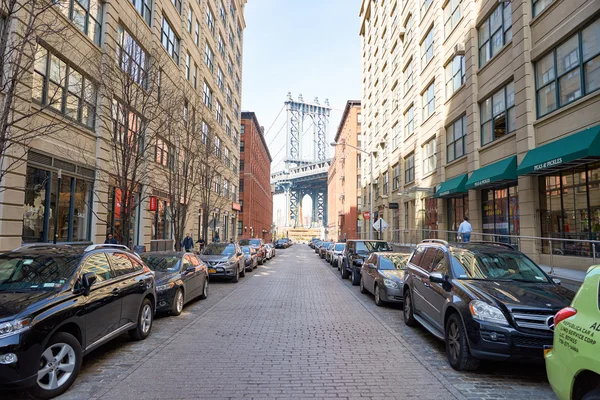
(408, 73)
(217, 146)
(222, 11)
(204, 128)
(219, 112)
(241, 165)
(190, 19)
(229, 66)
(177, 4)
(231, 42)
(396, 137)
(539, 6)
(498, 117)
(409, 169)
(235, 136)
(241, 146)
(227, 159)
(409, 126)
(85, 15)
(455, 75)
(429, 101)
(570, 71)
(187, 66)
(234, 165)
(121, 264)
(98, 264)
(169, 40)
(131, 57)
(408, 29)
(220, 79)
(217, 182)
(221, 45)
(164, 153)
(241, 185)
(238, 58)
(451, 16)
(233, 193)
(228, 126)
(144, 7)
(455, 139)
(197, 34)
(195, 75)
(128, 127)
(225, 188)
(495, 32)
(243, 129)
(210, 19)
(427, 48)
(396, 179)
(58, 85)
(236, 110)
(429, 157)
(209, 57)
(228, 96)
(386, 182)
(425, 6)
(208, 95)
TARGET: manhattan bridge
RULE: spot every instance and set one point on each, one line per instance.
(301, 175)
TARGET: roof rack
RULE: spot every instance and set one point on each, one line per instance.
(501, 244)
(438, 241)
(43, 246)
(106, 246)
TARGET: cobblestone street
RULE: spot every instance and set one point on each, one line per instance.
(292, 329)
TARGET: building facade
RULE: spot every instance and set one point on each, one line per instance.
(256, 197)
(64, 187)
(481, 109)
(344, 177)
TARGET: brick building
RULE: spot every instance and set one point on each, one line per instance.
(256, 198)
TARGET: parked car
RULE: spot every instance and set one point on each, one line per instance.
(259, 246)
(328, 251)
(281, 244)
(270, 250)
(382, 274)
(323, 249)
(317, 245)
(250, 258)
(336, 252)
(312, 242)
(224, 260)
(60, 303)
(573, 365)
(180, 278)
(485, 300)
(355, 253)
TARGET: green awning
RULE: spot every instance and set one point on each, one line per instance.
(452, 187)
(577, 149)
(494, 174)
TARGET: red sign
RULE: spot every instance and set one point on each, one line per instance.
(236, 206)
(367, 215)
(118, 198)
(153, 203)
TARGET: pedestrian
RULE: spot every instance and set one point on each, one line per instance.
(464, 230)
(201, 243)
(231, 240)
(110, 239)
(188, 243)
(217, 238)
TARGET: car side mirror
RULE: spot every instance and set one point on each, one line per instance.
(87, 280)
(372, 266)
(190, 269)
(437, 277)
(556, 281)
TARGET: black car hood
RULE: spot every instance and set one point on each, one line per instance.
(521, 294)
(13, 304)
(163, 277)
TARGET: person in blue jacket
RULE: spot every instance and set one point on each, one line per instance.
(188, 243)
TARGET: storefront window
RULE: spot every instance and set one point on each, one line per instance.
(34, 213)
(431, 217)
(500, 214)
(458, 208)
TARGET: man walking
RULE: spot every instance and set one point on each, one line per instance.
(188, 243)
(201, 242)
(464, 230)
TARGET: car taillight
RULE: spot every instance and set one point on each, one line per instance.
(563, 314)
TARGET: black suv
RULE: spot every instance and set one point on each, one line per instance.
(354, 255)
(60, 303)
(484, 299)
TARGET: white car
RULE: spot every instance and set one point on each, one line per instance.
(270, 251)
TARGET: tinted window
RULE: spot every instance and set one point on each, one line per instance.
(217, 249)
(42, 272)
(162, 263)
(340, 246)
(439, 263)
(121, 264)
(97, 263)
(496, 266)
(137, 266)
(427, 259)
(246, 250)
(193, 260)
(392, 262)
(417, 256)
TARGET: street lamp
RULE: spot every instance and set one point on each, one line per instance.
(370, 153)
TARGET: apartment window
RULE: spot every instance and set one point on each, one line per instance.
(236, 110)
(53, 78)
(220, 83)
(234, 165)
(210, 19)
(219, 112)
(85, 15)
(190, 19)
(570, 71)
(209, 57)
(208, 95)
(164, 153)
(238, 58)
(237, 84)
(204, 128)
(451, 16)
(228, 126)
(243, 129)
(396, 179)
(235, 136)
(225, 188)
(229, 66)
(408, 29)
(409, 169)
(227, 159)
(386, 182)
(221, 45)
(169, 40)
(144, 7)
(540, 5)
(217, 146)
(455, 139)
(177, 4)
(188, 67)
(231, 42)
(429, 101)
(396, 139)
(408, 73)
(127, 125)
(217, 182)
(241, 185)
(409, 126)
(498, 116)
(241, 165)
(233, 193)
(495, 32)
(131, 57)
(241, 146)
(228, 96)
(455, 75)
(425, 6)
(222, 12)
(195, 75)
(427, 48)
(197, 34)
(429, 157)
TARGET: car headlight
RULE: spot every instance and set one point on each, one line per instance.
(485, 312)
(162, 288)
(390, 284)
(13, 327)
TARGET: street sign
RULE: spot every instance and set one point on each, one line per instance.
(380, 225)
(367, 215)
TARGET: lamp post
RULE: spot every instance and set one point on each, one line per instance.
(371, 183)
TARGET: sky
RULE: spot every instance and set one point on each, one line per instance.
(308, 47)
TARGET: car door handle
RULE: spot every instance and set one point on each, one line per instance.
(115, 291)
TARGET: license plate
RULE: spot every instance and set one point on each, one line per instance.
(212, 271)
(547, 350)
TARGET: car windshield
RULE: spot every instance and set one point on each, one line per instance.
(219, 249)
(255, 242)
(36, 272)
(371, 247)
(340, 247)
(162, 263)
(246, 250)
(393, 261)
(495, 266)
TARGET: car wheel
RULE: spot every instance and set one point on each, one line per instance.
(409, 316)
(334, 264)
(378, 301)
(177, 306)
(59, 366)
(457, 348)
(355, 277)
(363, 289)
(236, 277)
(345, 274)
(204, 294)
(593, 395)
(144, 324)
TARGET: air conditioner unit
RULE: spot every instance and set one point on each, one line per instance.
(459, 49)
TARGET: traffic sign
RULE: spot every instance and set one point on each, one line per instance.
(367, 215)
